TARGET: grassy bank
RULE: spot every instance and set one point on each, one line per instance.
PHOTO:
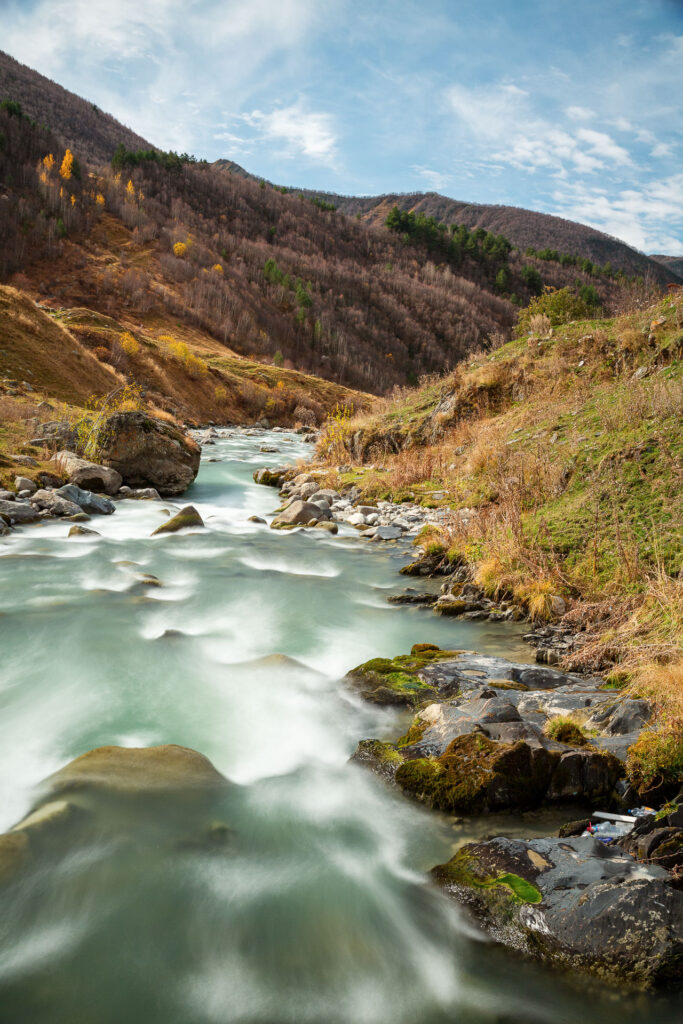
(560, 458)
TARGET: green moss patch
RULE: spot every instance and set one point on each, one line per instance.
(396, 680)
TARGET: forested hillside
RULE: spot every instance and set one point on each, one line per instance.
(273, 274)
(524, 228)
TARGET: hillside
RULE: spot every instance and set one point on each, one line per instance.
(561, 458)
(524, 228)
(269, 274)
(672, 263)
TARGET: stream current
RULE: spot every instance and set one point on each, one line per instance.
(319, 911)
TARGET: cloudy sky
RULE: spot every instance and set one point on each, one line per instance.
(566, 106)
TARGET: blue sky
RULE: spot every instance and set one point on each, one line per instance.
(570, 107)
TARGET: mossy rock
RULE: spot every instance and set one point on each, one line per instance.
(463, 870)
(476, 774)
(188, 516)
(381, 758)
(396, 681)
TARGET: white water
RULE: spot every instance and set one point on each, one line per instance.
(322, 911)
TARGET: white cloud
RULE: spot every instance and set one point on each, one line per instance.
(662, 149)
(435, 179)
(643, 217)
(603, 146)
(308, 133)
(580, 113)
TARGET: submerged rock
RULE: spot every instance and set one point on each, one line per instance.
(573, 902)
(188, 516)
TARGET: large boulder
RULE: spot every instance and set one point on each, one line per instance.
(147, 452)
(50, 501)
(573, 902)
(85, 474)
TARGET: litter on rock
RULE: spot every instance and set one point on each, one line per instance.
(614, 826)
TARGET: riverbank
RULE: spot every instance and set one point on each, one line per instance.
(493, 736)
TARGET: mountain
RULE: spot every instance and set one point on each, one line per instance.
(672, 263)
(271, 275)
(80, 125)
(524, 228)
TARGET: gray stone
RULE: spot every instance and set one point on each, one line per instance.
(580, 904)
(17, 512)
(22, 483)
(87, 475)
(50, 502)
(88, 501)
(299, 513)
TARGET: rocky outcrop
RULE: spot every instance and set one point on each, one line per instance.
(147, 452)
(87, 475)
(573, 902)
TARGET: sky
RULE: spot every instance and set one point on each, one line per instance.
(571, 107)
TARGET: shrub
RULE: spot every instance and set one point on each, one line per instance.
(656, 758)
(565, 730)
(179, 249)
(129, 345)
(558, 305)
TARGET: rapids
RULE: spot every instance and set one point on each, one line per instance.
(320, 910)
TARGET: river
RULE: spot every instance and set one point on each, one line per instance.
(320, 910)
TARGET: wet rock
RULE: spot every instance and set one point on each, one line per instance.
(140, 493)
(87, 475)
(7, 496)
(17, 512)
(381, 758)
(88, 501)
(256, 519)
(575, 902)
(188, 516)
(82, 531)
(52, 503)
(135, 770)
(299, 513)
(147, 452)
(328, 527)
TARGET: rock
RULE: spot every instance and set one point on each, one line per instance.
(24, 460)
(17, 512)
(147, 452)
(476, 774)
(381, 758)
(256, 519)
(329, 527)
(573, 902)
(7, 496)
(49, 480)
(82, 531)
(558, 606)
(188, 516)
(135, 770)
(49, 501)
(22, 483)
(298, 513)
(624, 716)
(85, 474)
(88, 501)
(356, 519)
(140, 493)
(387, 533)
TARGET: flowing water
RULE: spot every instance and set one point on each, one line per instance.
(318, 909)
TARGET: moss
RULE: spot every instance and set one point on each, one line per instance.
(669, 846)
(188, 516)
(396, 680)
(461, 870)
(666, 810)
(476, 773)
(423, 648)
(413, 735)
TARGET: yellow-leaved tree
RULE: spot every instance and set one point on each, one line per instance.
(130, 189)
(48, 162)
(66, 170)
(179, 249)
